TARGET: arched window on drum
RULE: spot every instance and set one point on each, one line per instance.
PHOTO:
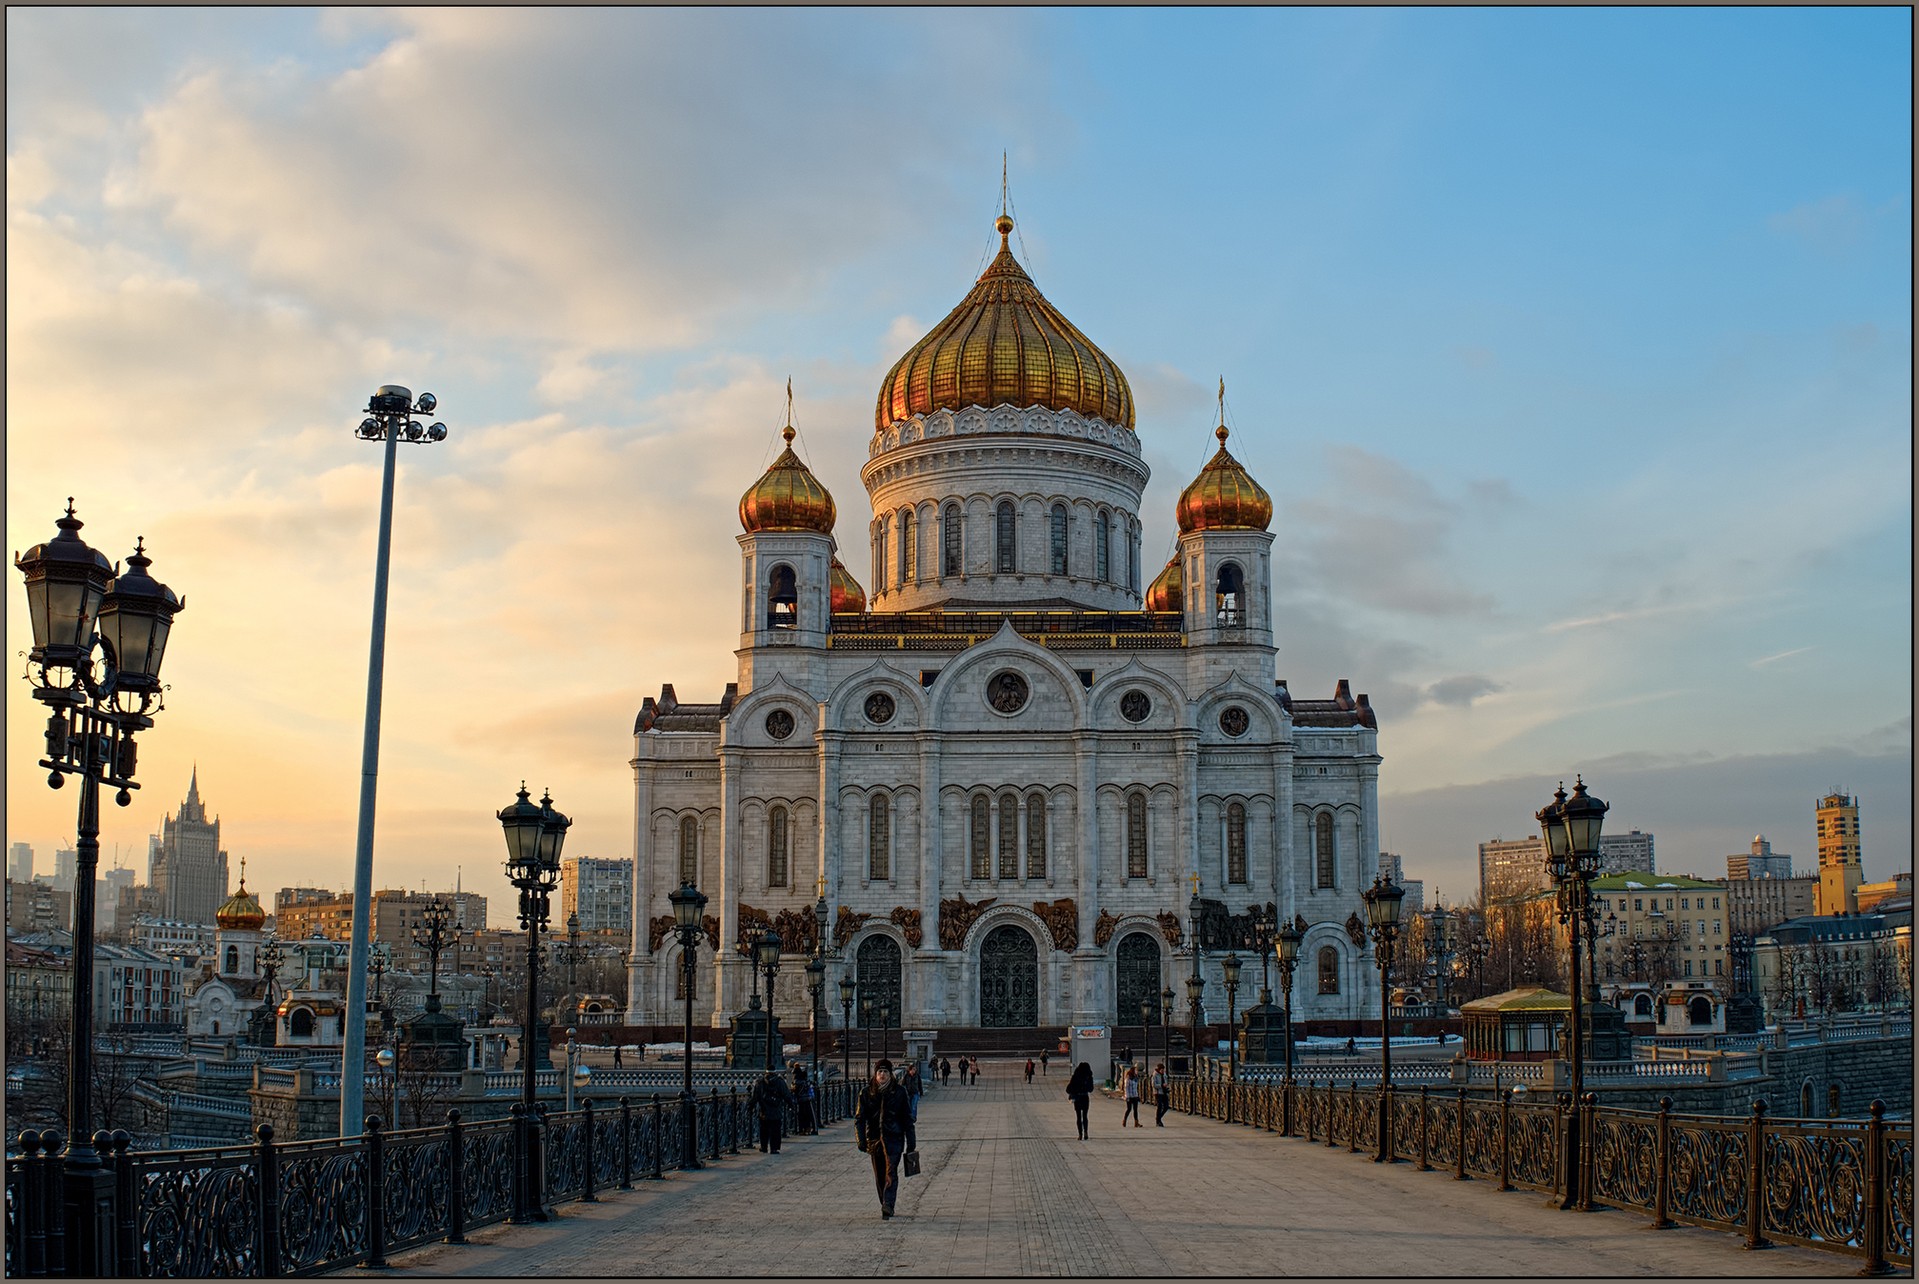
(1323, 867)
(879, 839)
(1036, 836)
(1236, 842)
(776, 847)
(1059, 539)
(980, 839)
(952, 541)
(1006, 547)
(1009, 835)
(1136, 835)
(689, 851)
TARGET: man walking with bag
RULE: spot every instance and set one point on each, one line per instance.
(770, 1096)
(1162, 1095)
(883, 1126)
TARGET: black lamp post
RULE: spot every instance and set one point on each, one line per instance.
(847, 989)
(1166, 997)
(1439, 943)
(78, 603)
(535, 834)
(1382, 913)
(688, 903)
(1286, 957)
(1146, 1029)
(816, 988)
(1195, 984)
(766, 955)
(569, 954)
(1478, 950)
(1571, 828)
(1229, 972)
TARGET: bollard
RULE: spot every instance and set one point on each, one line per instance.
(126, 1216)
(1425, 1121)
(1662, 1168)
(1352, 1119)
(33, 1210)
(1755, 1177)
(586, 1107)
(1286, 1108)
(53, 1200)
(455, 1179)
(733, 1120)
(626, 1146)
(375, 1195)
(1878, 1206)
(1582, 1165)
(1506, 1139)
(268, 1243)
(717, 1139)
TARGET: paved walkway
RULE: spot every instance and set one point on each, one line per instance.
(1007, 1190)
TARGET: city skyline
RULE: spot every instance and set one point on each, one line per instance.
(1587, 426)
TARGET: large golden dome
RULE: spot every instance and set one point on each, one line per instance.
(241, 912)
(1004, 345)
(788, 497)
(1224, 497)
(1164, 593)
(845, 593)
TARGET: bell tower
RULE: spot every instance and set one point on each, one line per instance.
(1224, 575)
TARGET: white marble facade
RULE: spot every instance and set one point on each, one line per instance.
(1116, 732)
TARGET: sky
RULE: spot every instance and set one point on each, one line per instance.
(1573, 344)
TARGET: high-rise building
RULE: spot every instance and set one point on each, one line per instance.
(1755, 905)
(1760, 862)
(106, 896)
(1511, 867)
(20, 863)
(1627, 853)
(398, 916)
(190, 870)
(65, 859)
(1679, 924)
(1393, 867)
(600, 891)
(38, 907)
(1839, 870)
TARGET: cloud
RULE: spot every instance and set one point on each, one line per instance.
(1830, 225)
(1461, 691)
(1783, 655)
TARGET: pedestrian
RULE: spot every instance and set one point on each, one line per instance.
(946, 1071)
(1042, 1063)
(1162, 1095)
(1129, 1088)
(803, 1098)
(770, 1096)
(976, 1070)
(910, 1081)
(883, 1127)
(1029, 1070)
(616, 1056)
(1080, 1089)
(1352, 1044)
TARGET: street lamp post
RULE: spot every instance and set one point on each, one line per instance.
(866, 1031)
(1166, 997)
(766, 954)
(847, 988)
(389, 420)
(1382, 913)
(1286, 958)
(1439, 937)
(389, 1063)
(688, 903)
(1477, 952)
(1229, 972)
(1571, 828)
(80, 603)
(1195, 984)
(535, 833)
(816, 988)
(569, 954)
(572, 1061)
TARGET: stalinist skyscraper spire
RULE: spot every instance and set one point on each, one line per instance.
(190, 870)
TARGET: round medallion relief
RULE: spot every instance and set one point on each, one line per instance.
(1135, 705)
(1006, 691)
(879, 707)
(1233, 720)
(779, 724)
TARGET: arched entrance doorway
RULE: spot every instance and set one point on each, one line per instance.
(1008, 978)
(878, 967)
(1137, 965)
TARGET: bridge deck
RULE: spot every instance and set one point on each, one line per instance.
(1007, 1190)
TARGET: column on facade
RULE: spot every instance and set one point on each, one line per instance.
(732, 862)
(1368, 820)
(931, 845)
(1285, 867)
(1186, 748)
(829, 812)
(643, 884)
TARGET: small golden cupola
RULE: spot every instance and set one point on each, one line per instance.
(242, 911)
(1163, 594)
(1224, 497)
(788, 497)
(1004, 345)
(847, 594)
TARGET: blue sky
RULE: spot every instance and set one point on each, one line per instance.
(1574, 344)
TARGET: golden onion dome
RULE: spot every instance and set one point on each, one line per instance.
(1164, 593)
(1004, 345)
(846, 593)
(788, 497)
(241, 912)
(1224, 497)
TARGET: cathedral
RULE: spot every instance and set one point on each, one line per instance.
(1011, 766)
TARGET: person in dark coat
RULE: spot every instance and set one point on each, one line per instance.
(1080, 1089)
(770, 1096)
(803, 1098)
(883, 1127)
(946, 1071)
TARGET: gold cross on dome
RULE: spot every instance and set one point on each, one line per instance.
(1196, 882)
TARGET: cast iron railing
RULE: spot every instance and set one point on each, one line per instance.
(1842, 1185)
(271, 1209)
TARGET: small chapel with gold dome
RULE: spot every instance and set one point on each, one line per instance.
(1014, 762)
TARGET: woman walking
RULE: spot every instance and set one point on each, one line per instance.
(1129, 1087)
(883, 1127)
(1080, 1089)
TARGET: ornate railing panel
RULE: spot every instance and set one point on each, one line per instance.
(1442, 1132)
(198, 1212)
(417, 1186)
(1533, 1146)
(1898, 1188)
(1365, 1113)
(606, 1148)
(1709, 1173)
(1814, 1186)
(486, 1177)
(1483, 1138)
(565, 1155)
(1625, 1161)
(323, 1204)
(1403, 1135)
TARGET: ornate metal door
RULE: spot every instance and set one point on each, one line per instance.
(1138, 965)
(878, 965)
(1008, 978)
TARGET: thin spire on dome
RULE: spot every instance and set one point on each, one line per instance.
(786, 433)
(1220, 432)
